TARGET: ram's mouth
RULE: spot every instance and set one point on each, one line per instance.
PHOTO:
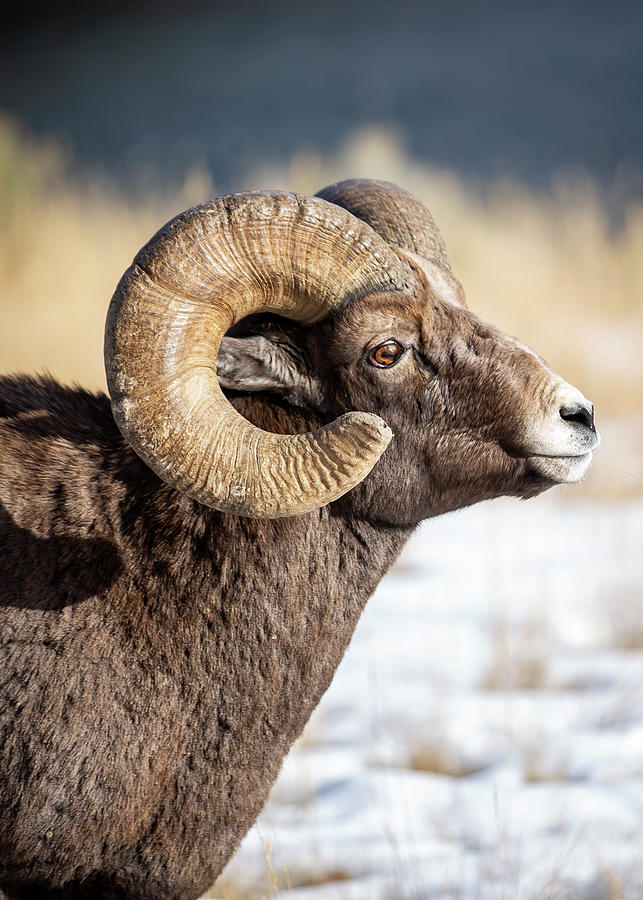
(561, 469)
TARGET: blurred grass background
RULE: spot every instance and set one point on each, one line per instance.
(551, 267)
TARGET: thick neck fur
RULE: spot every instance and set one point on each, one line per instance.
(186, 647)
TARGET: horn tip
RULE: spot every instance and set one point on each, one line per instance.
(374, 428)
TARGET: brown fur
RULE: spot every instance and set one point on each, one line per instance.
(158, 657)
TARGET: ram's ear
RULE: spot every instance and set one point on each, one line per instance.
(444, 284)
(257, 363)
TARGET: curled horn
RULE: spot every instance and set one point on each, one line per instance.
(404, 223)
(393, 213)
(206, 269)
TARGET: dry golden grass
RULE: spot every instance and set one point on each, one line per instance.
(519, 660)
(274, 881)
(539, 767)
(548, 267)
(438, 758)
(64, 244)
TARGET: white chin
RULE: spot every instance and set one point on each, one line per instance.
(561, 469)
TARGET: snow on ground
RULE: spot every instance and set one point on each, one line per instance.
(483, 737)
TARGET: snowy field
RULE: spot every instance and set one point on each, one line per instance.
(483, 737)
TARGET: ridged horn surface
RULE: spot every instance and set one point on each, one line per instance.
(206, 269)
(393, 213)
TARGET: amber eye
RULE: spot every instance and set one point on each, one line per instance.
(386, 355)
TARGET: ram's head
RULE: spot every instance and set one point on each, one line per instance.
(354, 316)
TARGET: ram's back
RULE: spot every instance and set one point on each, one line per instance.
(76, 753)
(57, 492)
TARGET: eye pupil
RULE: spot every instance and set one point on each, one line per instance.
(386, 354)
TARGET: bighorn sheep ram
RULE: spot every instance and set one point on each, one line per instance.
(176, 592)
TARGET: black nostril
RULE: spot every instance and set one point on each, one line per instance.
(578, 412)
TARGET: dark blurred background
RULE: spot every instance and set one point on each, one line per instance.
(526, 89)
